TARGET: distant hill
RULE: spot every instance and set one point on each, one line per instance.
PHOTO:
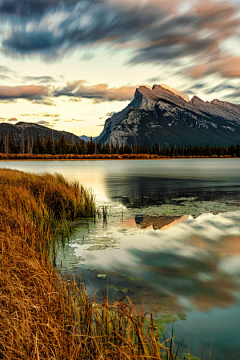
(159, 116)
(31, 130)
(87, 138)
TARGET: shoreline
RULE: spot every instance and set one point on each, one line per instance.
(119, 158)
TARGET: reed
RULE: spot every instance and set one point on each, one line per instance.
(48, 315)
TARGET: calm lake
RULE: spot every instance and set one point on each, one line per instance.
(171, 240)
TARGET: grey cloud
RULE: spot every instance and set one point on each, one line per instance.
(12, 119)
(8, 101)
(221, 87)
(74, 100)
(44, 101)
(5, 69)
(234, 96)
(98, 93)
(44, 123)
(4, 77)
(40, 79)
(153, 80)
(67, 26)
(30, 7)
(87, 57)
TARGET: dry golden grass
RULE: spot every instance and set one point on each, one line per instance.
(100, 157)
(44, 315)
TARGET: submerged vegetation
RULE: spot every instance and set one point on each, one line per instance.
(45, 314)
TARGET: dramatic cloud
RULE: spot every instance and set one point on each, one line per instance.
(30, 92)
(98, 93)
(226, 66)
(153, 31)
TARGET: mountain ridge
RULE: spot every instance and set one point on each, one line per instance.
(32, 129)
(161, 116)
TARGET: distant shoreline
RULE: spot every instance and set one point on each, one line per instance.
(103, 158)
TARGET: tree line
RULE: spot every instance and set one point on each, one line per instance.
(65, 145)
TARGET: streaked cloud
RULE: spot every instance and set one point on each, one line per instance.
(30, 92)
(39, 79)
(226, 66)
(99, 93)
(153, 31)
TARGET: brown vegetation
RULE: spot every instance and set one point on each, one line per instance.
(44, 314)
(99, 157)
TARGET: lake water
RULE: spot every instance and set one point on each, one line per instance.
(171, 240)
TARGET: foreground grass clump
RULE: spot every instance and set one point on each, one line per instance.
(47, 316)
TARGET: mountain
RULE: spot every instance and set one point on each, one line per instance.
(159, 116)
(86, 138)
(31, 130)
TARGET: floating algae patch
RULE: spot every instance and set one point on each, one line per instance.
(102, 276)
(98, 247)
(195, 208)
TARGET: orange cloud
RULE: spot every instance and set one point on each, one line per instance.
(23, 92)
(176, 92)
(227, 67)
(98, 93)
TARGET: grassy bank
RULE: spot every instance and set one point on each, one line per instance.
(44, 315)
(103, 157)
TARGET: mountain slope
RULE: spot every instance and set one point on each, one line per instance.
(160, 116)
(31, 130)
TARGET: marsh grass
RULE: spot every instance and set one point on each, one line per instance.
(48, 315)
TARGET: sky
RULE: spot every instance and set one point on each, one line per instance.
(70, 64)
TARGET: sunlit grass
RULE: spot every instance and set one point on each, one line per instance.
(44, 314)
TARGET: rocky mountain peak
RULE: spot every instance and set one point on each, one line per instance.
(160, 89)
(196, 99)
(157, 115)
